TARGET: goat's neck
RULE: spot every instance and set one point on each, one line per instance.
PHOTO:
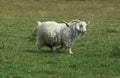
(74, 33)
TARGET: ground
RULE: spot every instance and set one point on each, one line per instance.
(96, 55)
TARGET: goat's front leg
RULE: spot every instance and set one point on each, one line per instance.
(68, 46)
(70, 51)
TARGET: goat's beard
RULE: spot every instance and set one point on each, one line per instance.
(83, 33)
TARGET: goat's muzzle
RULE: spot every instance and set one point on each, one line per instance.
(84, 32)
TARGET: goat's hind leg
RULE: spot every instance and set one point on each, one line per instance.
(59, 48)
(39, 44)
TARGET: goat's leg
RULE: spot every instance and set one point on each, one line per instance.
(58, 48)
(68, 47)
(52, 49)
(39, 44)
(70, 51)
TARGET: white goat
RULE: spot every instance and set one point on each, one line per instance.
(53, 34)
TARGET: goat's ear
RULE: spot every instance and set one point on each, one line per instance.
(77, 27)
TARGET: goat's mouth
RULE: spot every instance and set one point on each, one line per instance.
(84, 32)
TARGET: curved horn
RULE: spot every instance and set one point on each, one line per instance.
(89, 22)
(76, 20)
(67, 24)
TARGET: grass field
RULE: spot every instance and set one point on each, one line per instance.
(96, 55)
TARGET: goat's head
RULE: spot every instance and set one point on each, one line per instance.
(83, 26)
(79, 25)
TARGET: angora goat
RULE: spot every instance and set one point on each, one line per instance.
(53, 34)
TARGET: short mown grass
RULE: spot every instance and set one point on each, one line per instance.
(96, 55)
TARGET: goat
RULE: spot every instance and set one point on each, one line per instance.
(53, 34)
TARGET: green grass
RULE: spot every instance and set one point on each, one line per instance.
(96, 55)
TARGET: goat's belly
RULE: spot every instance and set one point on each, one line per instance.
(52, 43)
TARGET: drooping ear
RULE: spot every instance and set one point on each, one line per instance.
(77, 26)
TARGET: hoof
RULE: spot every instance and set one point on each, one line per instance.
(70, 52)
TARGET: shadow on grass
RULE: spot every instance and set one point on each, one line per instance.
(43, 51)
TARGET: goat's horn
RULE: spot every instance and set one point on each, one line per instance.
(66, 23)
(89, 22)
(76, 20)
